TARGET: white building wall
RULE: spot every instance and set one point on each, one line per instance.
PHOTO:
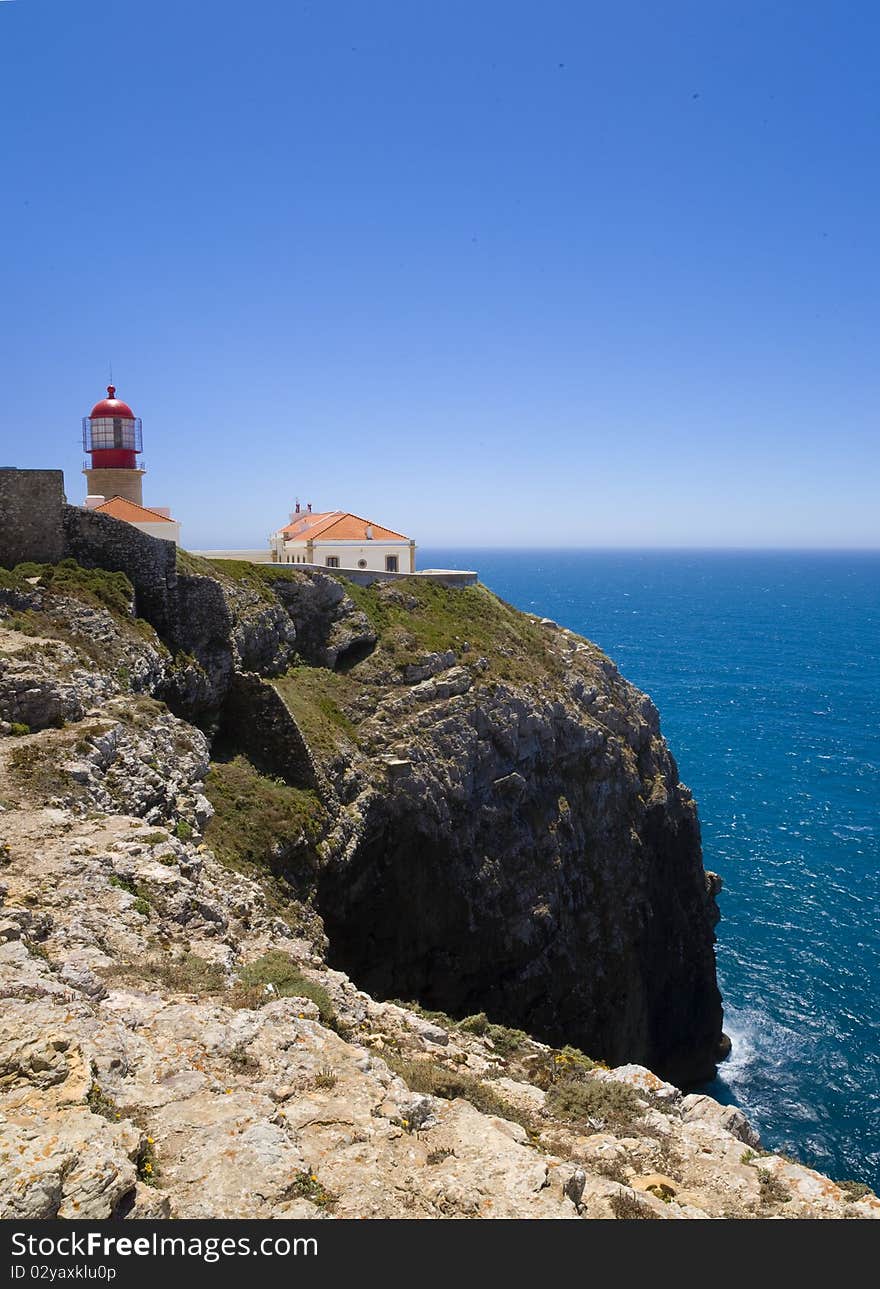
(366, 555)
(169, 532)
(252, 557)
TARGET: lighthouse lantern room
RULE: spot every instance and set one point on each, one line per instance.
(113, 439)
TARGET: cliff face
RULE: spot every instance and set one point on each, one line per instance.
(534, 856)
(506, 827)
(459, 805)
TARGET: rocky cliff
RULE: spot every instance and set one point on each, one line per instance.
(225, 844)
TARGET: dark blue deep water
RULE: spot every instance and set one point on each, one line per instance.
(766, 671)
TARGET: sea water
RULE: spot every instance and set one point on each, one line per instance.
(766, 670)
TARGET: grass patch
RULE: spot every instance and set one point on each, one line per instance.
(35, 769)
(270, 832)
(279, 970)
(97, 587)
(318, 699)
(18, 729)
(188, 974)
(142, 903)
(432, 1079)
(195, 565)
(413, 617)
(260, 823)
(242, 572)
(507, 1042)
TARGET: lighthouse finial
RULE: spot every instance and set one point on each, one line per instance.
(111, 390)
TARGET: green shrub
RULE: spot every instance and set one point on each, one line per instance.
(183, 831)
(571, 1060)
(773, 1189)
(147, 1164)
(854, 1190)
(505, 1040)
(19, 729)
(577, 1099)
(306, 1186)
(142, 896)
(100, 1103)
(477, 1024)
(279, 970)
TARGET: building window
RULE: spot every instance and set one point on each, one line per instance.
(390, 563)
(332, 561)
(362, 563)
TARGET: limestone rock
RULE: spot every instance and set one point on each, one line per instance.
(730, 1118)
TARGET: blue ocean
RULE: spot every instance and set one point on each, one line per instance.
(766, 670)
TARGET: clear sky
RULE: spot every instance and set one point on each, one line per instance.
(486, 271)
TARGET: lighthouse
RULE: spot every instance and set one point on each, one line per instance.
(113, 439)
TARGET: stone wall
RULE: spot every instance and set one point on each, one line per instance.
(257, 722)
(31, 504)
(99, 541)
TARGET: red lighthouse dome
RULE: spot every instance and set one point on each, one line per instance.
(112, 438)
(111, 407)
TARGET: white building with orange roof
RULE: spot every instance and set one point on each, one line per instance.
(339, 539)
(155, 521)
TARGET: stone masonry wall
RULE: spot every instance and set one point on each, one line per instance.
(257, 721)
(150, 564)
(31, 504)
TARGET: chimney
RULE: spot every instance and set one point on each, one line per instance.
(310, 507)
(94, 500)
(369, 532)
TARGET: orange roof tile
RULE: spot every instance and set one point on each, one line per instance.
(131, 512)
(337, 526)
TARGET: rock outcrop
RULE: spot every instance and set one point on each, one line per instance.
(453, 803)
(170, 1048)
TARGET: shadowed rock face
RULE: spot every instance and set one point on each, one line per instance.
(539, 861)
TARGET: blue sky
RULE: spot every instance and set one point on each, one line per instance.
(491, 273)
